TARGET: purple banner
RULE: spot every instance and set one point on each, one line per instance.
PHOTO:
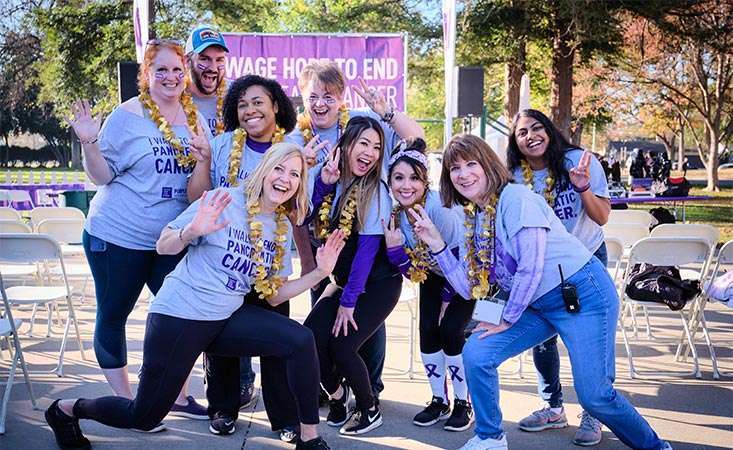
(379, 60)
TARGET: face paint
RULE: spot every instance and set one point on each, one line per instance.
(180, 76)
(220, 67)
(201, 67)
(159, 76)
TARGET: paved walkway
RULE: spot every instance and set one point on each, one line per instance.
(692, 414)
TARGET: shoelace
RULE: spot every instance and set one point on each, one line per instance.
(587, 422)
(544, 413)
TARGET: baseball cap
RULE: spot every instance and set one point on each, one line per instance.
(203, 37)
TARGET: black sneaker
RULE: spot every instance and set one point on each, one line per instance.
(435, 411)
(362, 422)
(247, 396)
(322, 398)
(338, 413)
(314, 444)
(289, 434)
(222, 424)
(66, 429)
(461, 418)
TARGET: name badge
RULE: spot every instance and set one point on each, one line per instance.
(491, 309)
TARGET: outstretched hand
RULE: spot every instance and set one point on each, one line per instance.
(328, 253)
(373, 98)
(85, 125)
(425, 229)
(206, 220)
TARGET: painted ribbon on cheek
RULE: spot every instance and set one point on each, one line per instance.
(201, 67)
(220, 68)
(159, 76)
(180, 76)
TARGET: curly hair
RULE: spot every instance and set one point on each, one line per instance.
(554, 155)
(285, 116)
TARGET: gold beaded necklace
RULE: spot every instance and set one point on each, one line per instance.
(267, 283)
(528, 176)
(348, 213)
(419, 256)
(184, 160)
(480, 262)
(235, 154)
(220, 92)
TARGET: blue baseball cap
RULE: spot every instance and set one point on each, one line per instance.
(202, 38)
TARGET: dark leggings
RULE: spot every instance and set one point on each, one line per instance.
(119, 276)
(449, 336)
(170, 350)
(339, 356)
(222, 383)
(546, 356)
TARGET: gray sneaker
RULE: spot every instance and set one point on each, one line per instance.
(589, 432)
(543, 419)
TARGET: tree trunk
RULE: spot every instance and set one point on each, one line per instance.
(561, 90)
(513, 72)
(712, 164)
(76, 155)
(681, 147)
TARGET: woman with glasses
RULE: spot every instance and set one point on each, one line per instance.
(140, 160)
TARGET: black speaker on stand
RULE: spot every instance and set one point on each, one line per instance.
(470, 92)
(127, 80)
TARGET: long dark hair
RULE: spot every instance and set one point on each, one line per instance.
(554, 156)
(285, 116)
(420, 170)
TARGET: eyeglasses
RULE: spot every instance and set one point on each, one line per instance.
(328, 100)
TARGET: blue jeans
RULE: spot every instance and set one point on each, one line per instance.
(546, 358)
(589, 336)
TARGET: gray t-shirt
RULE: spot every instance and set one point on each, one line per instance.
(148, 188)
(207, 108)
(447, 220)
(568, 205)
(221, 148)
(211, 281)
(333, 134)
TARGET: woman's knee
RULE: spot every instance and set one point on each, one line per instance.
(476, 357)
(302, 340)
(451, 338)
(595, 398)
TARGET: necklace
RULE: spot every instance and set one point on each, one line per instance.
(419, 256)
(184, 160)
(306, 128)
(220, 91)
(528, 176)
(235, 154)
(346, 220)
(267, 283)
(481, 261)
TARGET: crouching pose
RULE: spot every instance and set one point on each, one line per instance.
(239, 243)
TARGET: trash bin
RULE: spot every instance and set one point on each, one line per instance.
(79, 199)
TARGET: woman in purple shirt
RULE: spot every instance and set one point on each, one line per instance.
(366, 286)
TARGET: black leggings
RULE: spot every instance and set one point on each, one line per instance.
(449, 336)
(339, 356)
(172, 346)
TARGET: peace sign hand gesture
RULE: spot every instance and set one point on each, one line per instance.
(393, 236)
(580, 174)
(330, 172)
(375, 99)
(425, 229)
(85, 125)
(199, 146)
(207, 216)
(311, 149)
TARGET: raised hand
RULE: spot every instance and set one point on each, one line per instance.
(311, 149)
(330, 172)
(580, 174)
(373, 98)
(207, 217)
(328, 253)
(85, 125)
(393, 236)
(425, 229)
(199, 146)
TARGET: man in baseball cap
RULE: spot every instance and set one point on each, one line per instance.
(206, 52)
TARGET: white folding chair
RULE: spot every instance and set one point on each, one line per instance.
(637, 216)
(7, 213)
(615, 251)
(68, 234)
(9, 330)
(708, 232)
(629, 233)
(34, 248)
(5, 198)
(409, 300)
(17, 272)
(663, 251)
(18, 196)
(55, 212)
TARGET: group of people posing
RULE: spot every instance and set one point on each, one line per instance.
(205, 186)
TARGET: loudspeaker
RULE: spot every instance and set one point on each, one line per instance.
(127, 80)
(470, 91)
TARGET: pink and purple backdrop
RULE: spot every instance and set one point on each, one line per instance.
(378, 59)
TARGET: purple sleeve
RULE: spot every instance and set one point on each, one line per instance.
(529, 247)
(366, 251)
(398, 257)
(320, 190)
(447, 293)
(454, 272)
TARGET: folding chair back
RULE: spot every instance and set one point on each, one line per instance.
(62, 230)
(56, 212)
(14, 226)
(28, 248)
(7, 213)
(670, 251)
(708, 232)
(615, 251)
(636, 216)
(628, 233)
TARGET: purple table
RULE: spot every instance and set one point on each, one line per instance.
(667, 201)
(33, 189)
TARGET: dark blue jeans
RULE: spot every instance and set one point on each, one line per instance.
(119, 276)
(547, 357)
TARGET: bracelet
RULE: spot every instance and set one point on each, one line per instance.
(581, 190)
(92, 141)
(439, 251)
(180, 235)
(389, 115)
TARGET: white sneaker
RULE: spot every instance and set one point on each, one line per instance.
(476, 443)
(667, 446)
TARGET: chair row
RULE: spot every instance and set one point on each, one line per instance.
(36, 215)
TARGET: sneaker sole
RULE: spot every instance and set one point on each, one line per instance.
(249, 403)
(587, 443)
(63, 447)
(461, 428)
(188, 415)
(156, 429)
(338, 424)
(372, 426)
(549, 426)
(222, 433)
(427, 424)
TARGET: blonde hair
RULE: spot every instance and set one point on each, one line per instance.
(468, 147)
(327, 74)
(151, 51)
(299, 203)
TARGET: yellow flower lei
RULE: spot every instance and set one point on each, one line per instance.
(348, 212)
(235, 154)
(304, 123)
(528, 176)
(479, 263)
(191, 118)
(419, 256)
(265, 284)
(220, 92)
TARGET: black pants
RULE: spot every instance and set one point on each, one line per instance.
(222, 380)
(449, 336)
(339, 356)
(170, 350)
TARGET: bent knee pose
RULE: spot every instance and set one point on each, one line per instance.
(238, 245)
(573, 183)
(140, 160)
(366, 286)
(443, 315)
(512, 237)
